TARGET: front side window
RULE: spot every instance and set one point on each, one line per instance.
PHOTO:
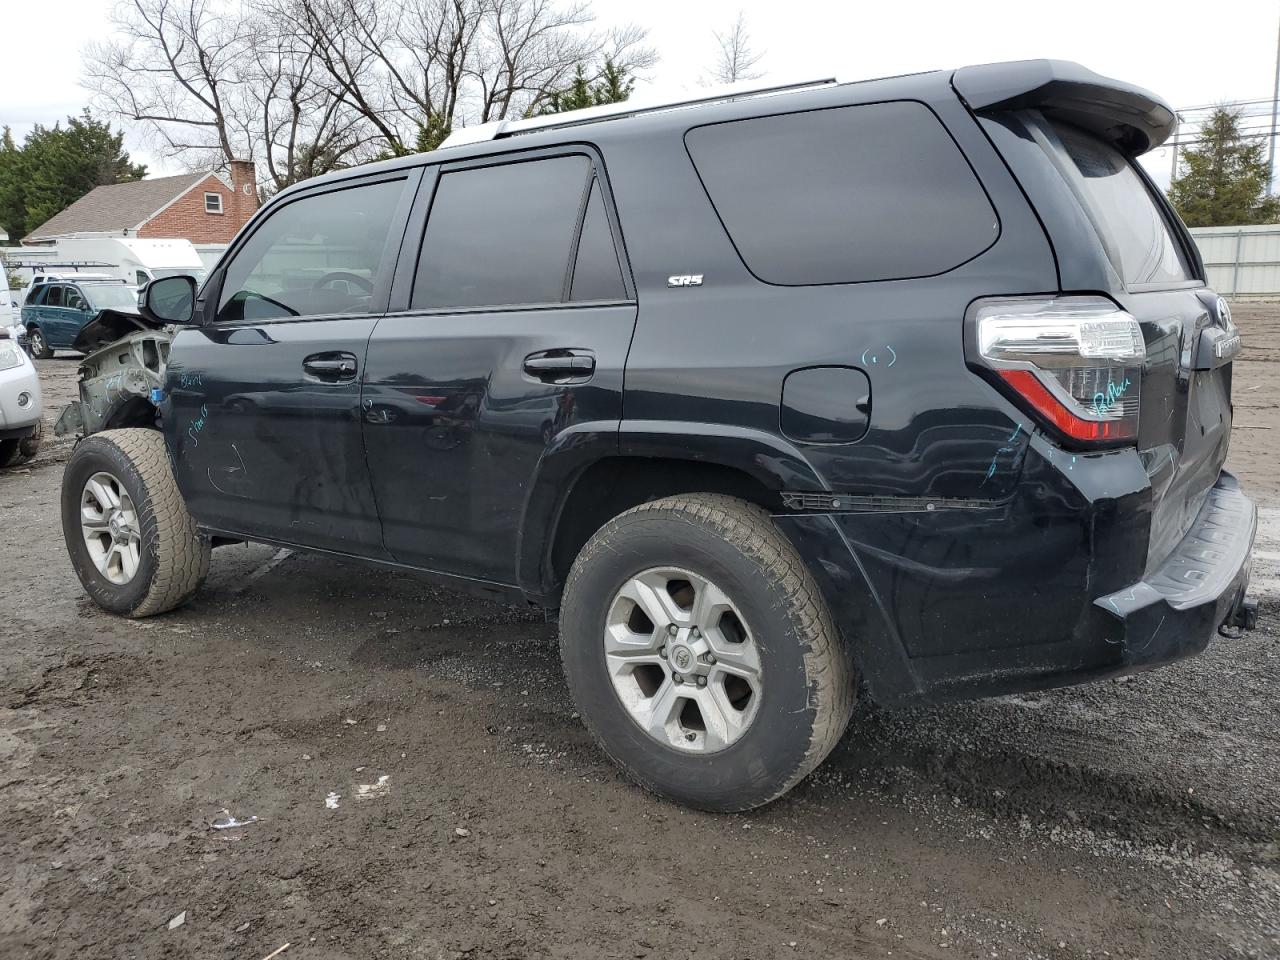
(317, 256)
(844, 195)
(502, 235)
(74, 300)
(1130, 223)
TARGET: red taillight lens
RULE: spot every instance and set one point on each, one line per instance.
(1076, 362)
(1029, 387)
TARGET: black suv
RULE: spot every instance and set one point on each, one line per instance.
(911, 386)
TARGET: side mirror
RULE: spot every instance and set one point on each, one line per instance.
(169, 300)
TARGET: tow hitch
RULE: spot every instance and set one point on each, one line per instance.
(1243, 617)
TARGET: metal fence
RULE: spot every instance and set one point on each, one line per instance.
(1243, 262)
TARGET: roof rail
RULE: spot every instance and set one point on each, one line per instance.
(627, 108)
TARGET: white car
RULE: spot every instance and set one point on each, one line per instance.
(20, 400)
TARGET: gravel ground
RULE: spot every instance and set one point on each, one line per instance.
(1135, 818)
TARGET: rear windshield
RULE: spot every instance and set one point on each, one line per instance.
(1132, 225)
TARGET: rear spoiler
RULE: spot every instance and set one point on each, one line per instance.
(1133, 119)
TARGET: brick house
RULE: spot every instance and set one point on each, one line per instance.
(205, 208)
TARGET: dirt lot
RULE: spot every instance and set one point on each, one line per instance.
(1126, 819)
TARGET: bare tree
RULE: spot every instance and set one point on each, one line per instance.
(405, 64)
(177, 70)
(300, 86)
(303, 126)
(735, 60)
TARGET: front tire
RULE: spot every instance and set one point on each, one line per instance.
(131, 541)
(742, 691)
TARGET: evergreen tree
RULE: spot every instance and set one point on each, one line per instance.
(612, 85)
(432, 133)
(12, 211)
(56, 166)
(1224, 179)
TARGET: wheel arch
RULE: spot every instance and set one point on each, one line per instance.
(132, 412)
(580, 486)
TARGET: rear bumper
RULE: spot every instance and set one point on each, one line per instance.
(951, 605)
(1175, 609)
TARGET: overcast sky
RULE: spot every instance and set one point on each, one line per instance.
(1190, 53)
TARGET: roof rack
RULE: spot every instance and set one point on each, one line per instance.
(627, 108)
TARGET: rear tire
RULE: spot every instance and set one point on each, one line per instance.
(38, 345)
(725, 564)
(131, 541)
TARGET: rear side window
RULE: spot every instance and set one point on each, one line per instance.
(597, 275)
(502, 235)
(316, 256)
(846, 195)
(35, 295)
(1130, 223)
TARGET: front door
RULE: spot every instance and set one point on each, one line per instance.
(265, 422)
(510, 334)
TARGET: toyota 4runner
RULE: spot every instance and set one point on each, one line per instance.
(912, 387)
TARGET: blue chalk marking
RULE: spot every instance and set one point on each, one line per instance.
(893, 355)
(1103, 402)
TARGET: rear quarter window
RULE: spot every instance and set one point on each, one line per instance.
(844, 195)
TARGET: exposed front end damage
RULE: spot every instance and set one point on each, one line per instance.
(125, 360)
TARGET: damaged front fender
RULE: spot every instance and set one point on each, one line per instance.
(125, 362)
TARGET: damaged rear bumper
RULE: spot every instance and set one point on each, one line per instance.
(955, 604)
(1176, 608)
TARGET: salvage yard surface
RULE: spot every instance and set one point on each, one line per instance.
(423, 788)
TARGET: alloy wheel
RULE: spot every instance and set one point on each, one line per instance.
(682, 660)
(111, 529)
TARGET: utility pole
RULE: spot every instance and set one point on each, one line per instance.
(1275, 110)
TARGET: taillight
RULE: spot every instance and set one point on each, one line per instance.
(1076, 362)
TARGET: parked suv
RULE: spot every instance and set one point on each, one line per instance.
(911, 387)
(55, 311)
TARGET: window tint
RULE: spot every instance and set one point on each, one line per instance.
(597, 275)
(875, 192)
(501, 235)
(1122, 209)
(35, 295)
(54, 297)
(313, 257)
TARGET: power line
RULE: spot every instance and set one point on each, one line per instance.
(1227, 103)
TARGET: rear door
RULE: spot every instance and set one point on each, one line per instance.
(53, 320)
(265, 396)
(508, 335)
